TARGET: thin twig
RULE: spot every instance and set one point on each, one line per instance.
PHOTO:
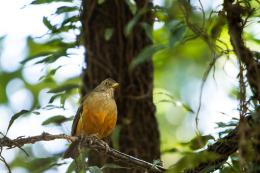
(90, 142)
(4, 161)
(203, 14)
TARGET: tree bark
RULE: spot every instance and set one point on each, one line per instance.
(250, 135)
(139, 135)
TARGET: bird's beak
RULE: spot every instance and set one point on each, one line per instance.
(115, 85)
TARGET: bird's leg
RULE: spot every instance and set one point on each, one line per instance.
(96, 139)
(105, 145)
(81, 139)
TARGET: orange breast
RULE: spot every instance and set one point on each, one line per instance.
(98, 117)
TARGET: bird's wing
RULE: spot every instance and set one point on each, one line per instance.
(73, 151)
(76, 120)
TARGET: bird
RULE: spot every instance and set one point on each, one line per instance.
(97, 115)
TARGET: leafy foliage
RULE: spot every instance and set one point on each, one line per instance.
(187, 41)
(58, 120)
(36, 165)
(191, 160)
(199, 142)
(46, 50)
(35, 2)
(145, 54)
(19, 114)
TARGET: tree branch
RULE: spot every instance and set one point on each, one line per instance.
(234, 13)
(90, 142)
(229, 144)
(224, 147)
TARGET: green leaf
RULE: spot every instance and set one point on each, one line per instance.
(36, 113)
(187, 107)
(47, 23)
(178, 103)
(71, 19)
(64, 28)
(42, 164)
(115, 137)
(5, 78)
(148, 29)
(2, 38)
(50, 50)
(130, 25)
(54, 97)
(216, 26)
(53, 71)
(50, 107)
(64, 88)
(15, 116)
(67, 23)
(191, 160)
(171, 150)
(177, 30)
(132, 6)
(101, 2)
(229, 169)
(48, 1)
(174, 101)
(58, 119)
(257, 55)
(225, 132)
(49, 74)
(146, 54)
(157, 162)
(199, 141)
(63, 98)
(108, 33)
(66, 9)
(35, 165)
(231, 123)
(52, 57)
(71, 167)
(221, 124)
(177, 36)
(95, 169)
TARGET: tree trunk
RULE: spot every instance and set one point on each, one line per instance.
(138, 135)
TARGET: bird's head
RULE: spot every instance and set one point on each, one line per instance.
(107, 85)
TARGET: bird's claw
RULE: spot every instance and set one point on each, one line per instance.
(93, 139)
(81, 139)
(105, 145)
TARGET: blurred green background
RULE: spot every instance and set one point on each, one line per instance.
(41, 59)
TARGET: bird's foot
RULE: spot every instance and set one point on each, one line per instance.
(104, 145)
(85, 140)
(107, 148)
(93, 139)
(82, 140)
(96, 140)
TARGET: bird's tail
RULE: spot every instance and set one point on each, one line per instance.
(72, 151)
